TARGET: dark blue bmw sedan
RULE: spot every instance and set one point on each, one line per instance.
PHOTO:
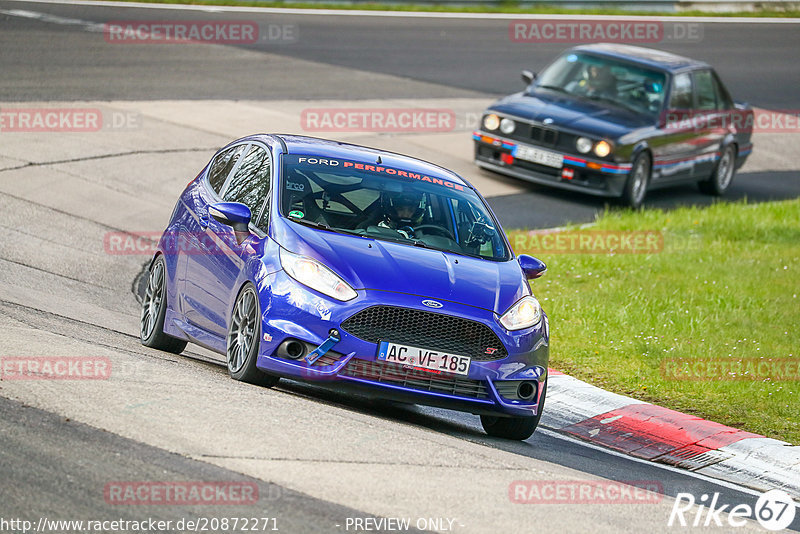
(617, 120)
(333, 263)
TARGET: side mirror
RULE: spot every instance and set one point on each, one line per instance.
(232, 214)
(532, 267)
(528, 76)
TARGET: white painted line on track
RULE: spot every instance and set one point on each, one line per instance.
(410, 14)
(54, 19)
(666, 467)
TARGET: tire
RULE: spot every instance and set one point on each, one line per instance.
(519, 428)
(722, 175)
(154, 309)
(638, 180)
(243, 340)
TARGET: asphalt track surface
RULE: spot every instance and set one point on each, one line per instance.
(55, 301)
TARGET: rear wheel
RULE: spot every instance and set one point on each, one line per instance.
(638, 180)
(518, 428)
(244, 335)
(154, 309)
(722, 177)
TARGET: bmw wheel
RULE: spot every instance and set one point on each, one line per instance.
(519, 428)
(722, 177)
(154, 309)
(244, 336)
(638, 180)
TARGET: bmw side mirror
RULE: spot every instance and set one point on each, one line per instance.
(232, 214)
(532, 267)
(528, 76)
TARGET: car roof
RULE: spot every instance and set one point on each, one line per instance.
(643, 56)
(313, 146)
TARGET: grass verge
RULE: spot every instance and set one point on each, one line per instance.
(725, 287)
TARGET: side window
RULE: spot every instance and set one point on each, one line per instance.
(706, 91)
(221, 167)
(250, 184)
(723, 98)
(681, 94)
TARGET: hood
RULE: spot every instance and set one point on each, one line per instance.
(400, 268)
(596, 119)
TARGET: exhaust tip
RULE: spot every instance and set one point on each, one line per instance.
(526, 390)
(292, 349)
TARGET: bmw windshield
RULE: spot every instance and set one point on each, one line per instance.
(390, 204)
(632, 87)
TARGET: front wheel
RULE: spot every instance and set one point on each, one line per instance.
(519, 428)
(722, 177)
(154, 309)
(244, 335)
(638, 180)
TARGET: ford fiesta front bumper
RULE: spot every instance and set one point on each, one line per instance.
(508, 382)
(569, 172)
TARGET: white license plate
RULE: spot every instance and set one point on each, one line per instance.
(423, 358)
(537, 155)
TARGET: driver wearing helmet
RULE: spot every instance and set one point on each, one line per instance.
(402, 211)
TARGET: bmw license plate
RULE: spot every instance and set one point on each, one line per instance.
(423, 358)
(537, 155)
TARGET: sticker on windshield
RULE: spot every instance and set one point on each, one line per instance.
(297, 214)
(377, 169)
(293, 186)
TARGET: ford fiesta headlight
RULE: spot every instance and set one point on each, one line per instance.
(507, 126)
(491, 122)
(315, 275)
(526, 312)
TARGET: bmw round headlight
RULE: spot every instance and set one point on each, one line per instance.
(583, 144)
(491, 122)
(507, 126)
(602, 149)
(526, 312)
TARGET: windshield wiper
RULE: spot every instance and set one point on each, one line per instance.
(554, 88)
(312, 224)
(617, 103)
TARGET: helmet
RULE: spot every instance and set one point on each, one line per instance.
(404, 208)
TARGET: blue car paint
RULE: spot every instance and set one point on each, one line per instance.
(205, 275)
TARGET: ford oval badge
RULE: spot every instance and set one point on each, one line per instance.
(432, 304)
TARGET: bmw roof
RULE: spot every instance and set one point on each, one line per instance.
(645, 56)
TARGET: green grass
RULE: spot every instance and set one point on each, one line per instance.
(503, 7)
(726, 285)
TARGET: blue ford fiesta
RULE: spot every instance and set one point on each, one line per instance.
(322, 261)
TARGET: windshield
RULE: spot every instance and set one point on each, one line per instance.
(603, 79)
(389, 204)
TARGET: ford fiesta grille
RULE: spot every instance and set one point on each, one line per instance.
(427, 330)
(391, 373)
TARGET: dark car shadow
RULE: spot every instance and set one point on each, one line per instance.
(547, 207)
